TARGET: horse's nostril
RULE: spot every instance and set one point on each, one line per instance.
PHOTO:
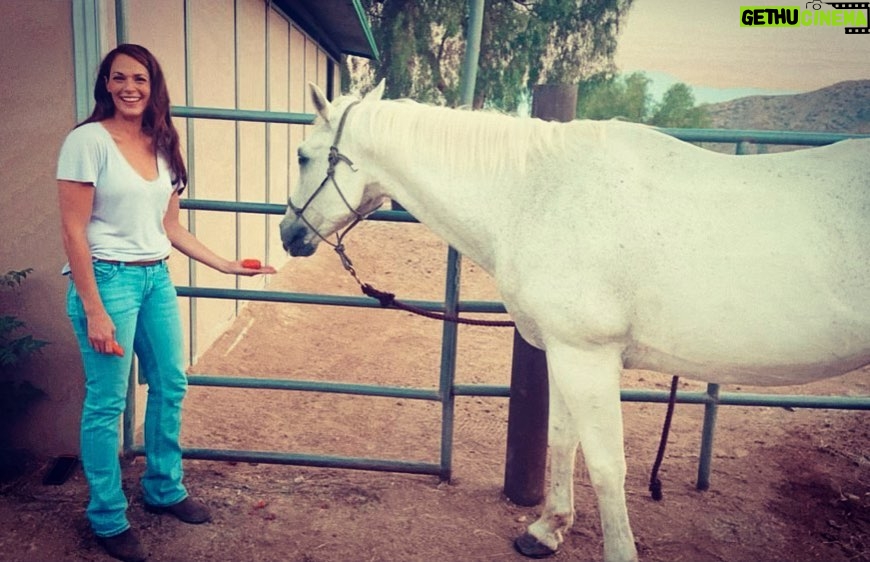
(297, 235)
(290, 232)
(293, 238)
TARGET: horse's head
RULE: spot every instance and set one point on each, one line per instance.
(331, 194)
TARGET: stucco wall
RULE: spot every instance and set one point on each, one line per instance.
(38, 109)
(266, 68)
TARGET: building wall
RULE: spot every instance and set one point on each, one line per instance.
(241, 54)
(37, 109)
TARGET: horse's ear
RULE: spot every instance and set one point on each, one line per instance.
(321, 104)
(377, 93)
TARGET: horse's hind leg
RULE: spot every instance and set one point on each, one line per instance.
(585, 409)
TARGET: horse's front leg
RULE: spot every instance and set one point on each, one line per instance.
(585, 409)
(546, 534)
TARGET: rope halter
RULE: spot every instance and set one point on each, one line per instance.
(334, 159)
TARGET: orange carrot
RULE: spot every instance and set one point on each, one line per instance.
(251, 263)
(117, 349)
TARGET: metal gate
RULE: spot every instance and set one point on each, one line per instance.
(447, 390)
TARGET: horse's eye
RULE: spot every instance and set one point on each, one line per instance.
(303, 160)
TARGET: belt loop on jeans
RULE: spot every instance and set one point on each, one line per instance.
(145, 263)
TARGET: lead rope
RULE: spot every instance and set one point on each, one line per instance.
(655, 485)
(388, 300)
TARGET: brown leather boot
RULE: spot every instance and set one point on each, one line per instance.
(123, 546)
(188, 510)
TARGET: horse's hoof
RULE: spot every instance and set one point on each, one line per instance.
(527, 545)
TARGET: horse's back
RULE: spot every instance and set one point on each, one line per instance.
(769, 271)
(716, 264)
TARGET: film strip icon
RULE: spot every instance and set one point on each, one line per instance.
(850, 6)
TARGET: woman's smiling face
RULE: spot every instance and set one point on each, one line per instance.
(130, 87)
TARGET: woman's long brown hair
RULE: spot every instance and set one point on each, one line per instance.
(156, 122)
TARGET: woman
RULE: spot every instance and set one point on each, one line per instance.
(120, 175)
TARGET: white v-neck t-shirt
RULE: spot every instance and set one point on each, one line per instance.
(127, 218)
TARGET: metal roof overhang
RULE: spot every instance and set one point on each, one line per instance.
(339, 26)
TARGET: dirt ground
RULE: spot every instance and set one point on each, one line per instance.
(787, 485)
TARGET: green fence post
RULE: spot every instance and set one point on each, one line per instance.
(711, 407)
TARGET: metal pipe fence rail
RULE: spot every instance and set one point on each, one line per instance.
(447, 389)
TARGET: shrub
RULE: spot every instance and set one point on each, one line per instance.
(16, 395)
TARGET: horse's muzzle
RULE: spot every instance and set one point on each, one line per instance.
(295, 239)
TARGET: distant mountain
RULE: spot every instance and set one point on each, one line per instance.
(841, 108)
(661, 81)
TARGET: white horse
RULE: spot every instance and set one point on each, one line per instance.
(614, 245)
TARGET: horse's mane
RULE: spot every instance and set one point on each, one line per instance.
(486, 141)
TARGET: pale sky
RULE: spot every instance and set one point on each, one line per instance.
(701, 43)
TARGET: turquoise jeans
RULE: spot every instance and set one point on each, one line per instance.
(144, 307)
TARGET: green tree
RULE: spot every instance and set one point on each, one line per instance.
(678, 109)
(419, 48)
(523, 43)
(628, 97)
(625, 98)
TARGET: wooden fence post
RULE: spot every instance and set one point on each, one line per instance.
(526, 457)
